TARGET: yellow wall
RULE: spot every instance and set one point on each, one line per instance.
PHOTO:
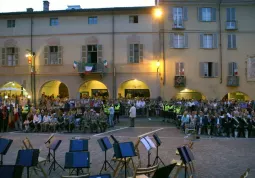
(51, 88)
(88, 86)
(132, 84)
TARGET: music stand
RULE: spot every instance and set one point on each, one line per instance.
(78, 145)
(149, 145)
(158, 144)
(124, 150)
(54, 146)
(186, 156)
(164, 172)
(105, 145)
(101, 176)
(27, 158)
(11, 171)
(4, 147)
(114, 139)
(49, 141)
(77, 160)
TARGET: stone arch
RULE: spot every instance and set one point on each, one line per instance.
(93, 88)
(91, 40)
(133, 88)
(236, 95)
(54, 87)
(13, 87)
(132, 39)
(189, 94)
(53, 41)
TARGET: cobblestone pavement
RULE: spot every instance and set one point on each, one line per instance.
(215, 157)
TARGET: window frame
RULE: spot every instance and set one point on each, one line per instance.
(12, 54)
(202, 18)
(53, 21)
(92, 20)
(207, 41)
(55, 53)
(232, 43)
(132, 19)
(178, 71)
(179, 45)
(11, 23)
(132, 53)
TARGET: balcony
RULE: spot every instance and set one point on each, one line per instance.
(231, 25)
(179, 81)
(233, 81)
(91, 68)
(178, 24)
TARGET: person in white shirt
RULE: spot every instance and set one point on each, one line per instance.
(36, 122)
(132, 115)
(46, 122)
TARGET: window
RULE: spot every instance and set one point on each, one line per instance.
(231, 41)
(53, 21)
(135, 53)
(92, 53)
(133, 19)
(208, 41)
(231, 14)
(179, 69)
(10, 23)
(207, 14)
(179, 15)
(232, 69)
(178, 40)
(53, 54)
(11, 57)
(208, 69)
(92, 20)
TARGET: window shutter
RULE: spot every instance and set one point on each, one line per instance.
(186, 40)
(182, 68)
(229, 42)
(185, 13)
(170, 13)
(199, 13)
(213, 14)
(215, 69)
(140, 52)
(60, 54)
(201, 69)
(233, 14)
(177, 69)
(230, 69)
(131, 54)
(16, 53)
(46, 55)
(215, 40)
(201, 40)
(228, 14)
(234, 40)
(99, 53)
(84, 53)
(171, 40)
(3, 56)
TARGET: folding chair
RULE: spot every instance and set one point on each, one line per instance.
(144, 172)
(27, 145)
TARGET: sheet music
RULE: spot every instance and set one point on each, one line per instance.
(146, 144)
(150, 142)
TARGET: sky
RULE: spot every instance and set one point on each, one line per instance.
(37, 5)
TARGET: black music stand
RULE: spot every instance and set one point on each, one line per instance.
(124, 150)
(49, 141)
(149, 145)
(114, 139)
(4, 147)
(105, 145)
(27, 158)
(11, 171)
(78, 145)
(158, 143)
(77, 160)
(54, 146)
(164, 172)
(186, 157)
(101, 176)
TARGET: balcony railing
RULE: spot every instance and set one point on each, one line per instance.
(178, 23)
(96, 67)
(179, 81)
(233, 81)
(231, 25)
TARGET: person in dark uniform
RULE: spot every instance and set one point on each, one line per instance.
(117, 112)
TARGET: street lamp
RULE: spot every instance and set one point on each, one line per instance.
(31, 61)
(158, 13)
(6, 97)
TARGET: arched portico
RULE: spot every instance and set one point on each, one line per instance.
(55, 88)
(189, 94)
(236, 96)
(93, 88)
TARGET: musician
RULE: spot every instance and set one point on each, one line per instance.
(45, 123)
(235, 124)
(53, 122)
(253, 125)
(243, 124)
(185, 120)
(217, 124)
(117, 113)
(201, 123)
(36, 122)
(165, 110)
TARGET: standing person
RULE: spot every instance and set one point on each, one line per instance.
(132, 115)
(111, 115)
(117, 113)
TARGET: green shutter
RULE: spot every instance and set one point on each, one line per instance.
(60, 54)
(99, 53)
(16, 54)
(131, 53)
(46, 55)
(140, 53)
(3, 56)
(84, 53)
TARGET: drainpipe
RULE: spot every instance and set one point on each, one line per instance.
(113, 58)
(220, 36)
(33, 85)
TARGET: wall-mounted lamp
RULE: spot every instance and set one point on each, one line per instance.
(28, 96)
(6, 97)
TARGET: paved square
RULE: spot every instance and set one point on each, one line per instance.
(215, 157)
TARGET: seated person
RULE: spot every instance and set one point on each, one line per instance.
(46, 122)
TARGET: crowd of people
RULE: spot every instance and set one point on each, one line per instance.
(213, 118)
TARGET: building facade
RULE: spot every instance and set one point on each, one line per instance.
(195, 49)
(209, 48)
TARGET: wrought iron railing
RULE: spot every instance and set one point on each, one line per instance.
(96, 67)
